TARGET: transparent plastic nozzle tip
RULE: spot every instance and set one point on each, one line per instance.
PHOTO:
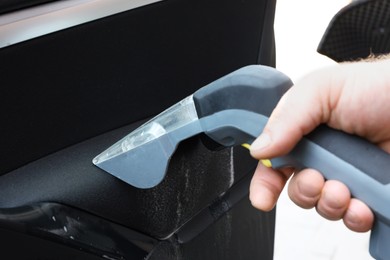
(171, 119)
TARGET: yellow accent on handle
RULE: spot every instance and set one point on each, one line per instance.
(266, 162)
(247, 146)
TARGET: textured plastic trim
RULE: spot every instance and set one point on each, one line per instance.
(33, 22)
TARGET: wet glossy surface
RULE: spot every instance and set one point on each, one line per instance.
(77, 229)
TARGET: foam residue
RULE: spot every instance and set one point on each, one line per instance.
(231, 170)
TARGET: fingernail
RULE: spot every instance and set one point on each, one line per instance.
(261, 142)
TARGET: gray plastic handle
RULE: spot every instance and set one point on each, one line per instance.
(357, 163)
(234, 110)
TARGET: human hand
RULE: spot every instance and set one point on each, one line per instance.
(351, 97)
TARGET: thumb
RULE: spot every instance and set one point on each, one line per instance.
(299, 111)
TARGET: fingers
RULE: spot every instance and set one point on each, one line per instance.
(266, 186)
(305, 188)
(332, 200)
(308, 189)
(358, 217)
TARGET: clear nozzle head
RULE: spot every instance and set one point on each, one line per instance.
(173, 118)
